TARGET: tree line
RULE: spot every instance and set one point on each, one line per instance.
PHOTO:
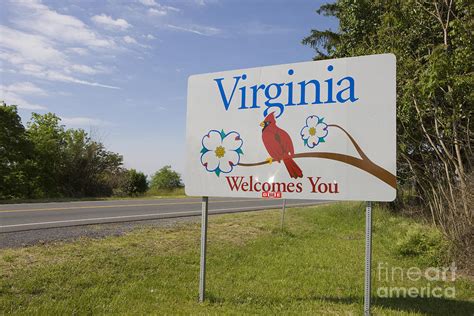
(432, 40)
(44, 159)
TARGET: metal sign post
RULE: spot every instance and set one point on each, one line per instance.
(368, 257)
(283, 214)
(202, 272)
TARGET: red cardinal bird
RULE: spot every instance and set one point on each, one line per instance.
(279, 145)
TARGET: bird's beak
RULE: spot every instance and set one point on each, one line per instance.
(262, 124)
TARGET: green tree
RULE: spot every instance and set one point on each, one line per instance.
(135, 182)
(69, 162)
(48, 160)
(433, 42)
(89, 167)
(17, 169)
(49, 139)
(166, 179)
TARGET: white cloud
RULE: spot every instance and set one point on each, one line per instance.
(150, 37)
(23, 88)
(83, 121)
(205, 2)
(32, 68)
(14, 99)
(78, 50)
(13, 94)
(157, 9)
(57, 76)
(149, 3)
(157, 12)
(170, 8)
(109, 22)
(41, 48)
(84, 69)
(34, 48)
(153, 3)
(38, 18)
(40, 72)
(197, 29)
(129, 40)
(42, 43)
(55, 63)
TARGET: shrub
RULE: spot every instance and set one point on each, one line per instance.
(166, 179)
(427, 244)
(134, 183)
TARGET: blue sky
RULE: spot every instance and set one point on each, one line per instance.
(119, 69)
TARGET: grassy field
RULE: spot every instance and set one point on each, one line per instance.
(314, 266)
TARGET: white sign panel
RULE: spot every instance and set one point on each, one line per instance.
(315, 130)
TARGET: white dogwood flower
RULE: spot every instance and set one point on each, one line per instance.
(220, 151)
(314, 132)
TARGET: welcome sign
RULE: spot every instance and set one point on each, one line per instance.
(315, 130)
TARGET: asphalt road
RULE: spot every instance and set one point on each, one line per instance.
(23, 217)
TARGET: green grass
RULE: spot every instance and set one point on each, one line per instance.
(179, 192)
(152, 194)
(315, 266)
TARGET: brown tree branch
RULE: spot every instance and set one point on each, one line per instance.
(366, 165)
(356, 145)
(363, 163)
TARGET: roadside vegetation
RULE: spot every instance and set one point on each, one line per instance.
(44, 161)
(166, 182)
(314, 266)
(432, 41)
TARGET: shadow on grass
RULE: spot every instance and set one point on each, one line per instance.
(427, 306)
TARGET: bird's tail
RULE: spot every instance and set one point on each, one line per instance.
(293, 169)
